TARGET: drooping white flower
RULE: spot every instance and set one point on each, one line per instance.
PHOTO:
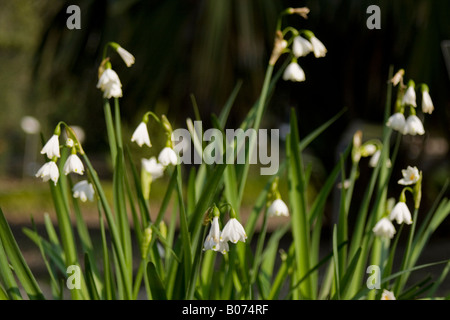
(427, 103)
(278, 208)
(49, 171)
(318, 47)
(368, 150)
(73, 164)
(233, 231)
(168, 156)
(401, 213)
(384, 228)
(413, 126)
(51, 148)
(376, 157)
(294, 72)
(212, 241)
(110, 84)
(387, 295)
(410, 176)
(301, 47)
(140, 135)
(83, 190)
(410, 97)
(152, 166)
(126, 56)
(397, 122)
(398, 77)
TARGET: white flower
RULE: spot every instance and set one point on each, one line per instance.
(212, 241)
(401, 213)
(294, 72)
(384, 228)
(398, 77)
(127, 57)
(73, 164)
(410, 176)
(49, 171)
(83, 190)
(278, 208)
(368, 150)
(168, 156)
(427, 103)
(318, 47)
(387, 295)
(140, 135)
(233, 231)
(110, 84)
(51, 148)
(376, 157)
(301, 47)
(152, 166)
(413, 126)
(397, 122)
(410, 97)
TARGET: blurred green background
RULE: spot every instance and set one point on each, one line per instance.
(204, 48)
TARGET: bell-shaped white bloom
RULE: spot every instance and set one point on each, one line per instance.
(373, 162)
(294, 72)
(152, 166)
(83, 190)
(212, 241)
(427, 103)
(49, 171)
(401, 213)
(140, 135)
(397, 122)
(318, 47)
(384, 228)
(110, 84)
(410, 176)
(168, 156)
(413, 126)
(233, 231)
(387, 295)
(301, 47)
(51, 148)
(410, 97)
(73, 164)
(278, 208)
(126, 56)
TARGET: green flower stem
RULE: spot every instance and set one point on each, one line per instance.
(110, 130)
(117, 245)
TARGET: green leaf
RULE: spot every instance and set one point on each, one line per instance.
(156, 286)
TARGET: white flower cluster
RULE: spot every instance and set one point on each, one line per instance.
(411, 125)
(400, 212)
(217, 240)
(301, 47)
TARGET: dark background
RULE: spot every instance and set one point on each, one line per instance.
(204, 48)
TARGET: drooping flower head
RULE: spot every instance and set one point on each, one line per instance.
(141, 136)
(397, 122)
(401, 213)
(278, 208)
(427, 103)
(409, 99)
(110, 84)
(153, 167)
(387, 295)
(384, 228)
(168, 156)
(49, 171)
(84, 191)
(294, 72)
(51, 148)
(73, 164)
(126, 56)
(233, 230)
(301, 47)
(413, 126)
(319, 48)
